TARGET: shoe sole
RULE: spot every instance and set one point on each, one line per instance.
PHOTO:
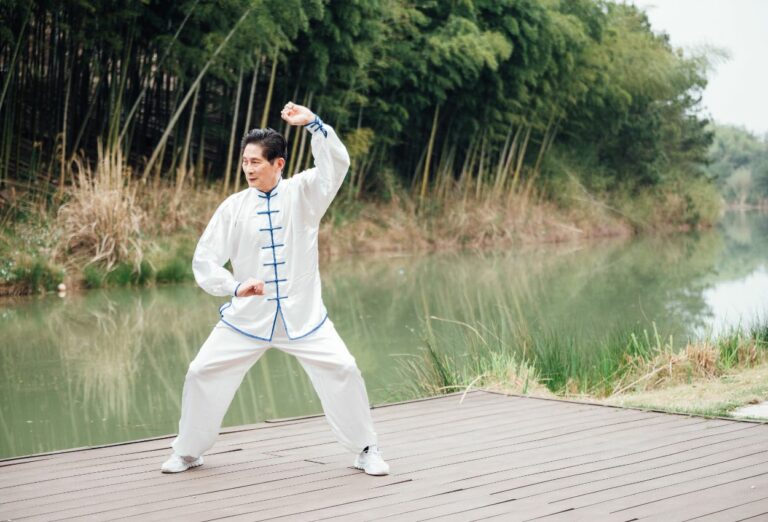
(371, 474)
(182, 470)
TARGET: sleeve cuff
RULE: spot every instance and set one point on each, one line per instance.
(237, 285)
(316, 125)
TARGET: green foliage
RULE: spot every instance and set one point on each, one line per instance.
(93, 276)
(32, 274)
(588, 76)
(738, 161)
(122, 274)
(639, 119)
(446, 366)
(125, 274)
(620, 361)
(175, 270)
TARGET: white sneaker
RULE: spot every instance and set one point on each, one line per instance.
(371, 461)
(176, 463)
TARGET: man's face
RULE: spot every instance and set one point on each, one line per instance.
(260, 173)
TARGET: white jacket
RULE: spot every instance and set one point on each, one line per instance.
(273, 237)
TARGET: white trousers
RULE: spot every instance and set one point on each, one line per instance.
(222, 362)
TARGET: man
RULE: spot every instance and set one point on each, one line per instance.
(269, 233)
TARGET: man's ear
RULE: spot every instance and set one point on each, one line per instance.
(280, 163)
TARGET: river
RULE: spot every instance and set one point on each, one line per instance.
(107, 366)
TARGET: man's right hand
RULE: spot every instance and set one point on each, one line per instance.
(250, 287)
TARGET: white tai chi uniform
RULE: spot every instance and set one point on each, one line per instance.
(272, 236)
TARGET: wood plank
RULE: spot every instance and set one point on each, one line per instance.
(611, 476)
(384, 412)
(663, 488)
(492, 457)
(313, 429)
(119, 463)
(746, 496)
(757, 509)
(371, 511)
(594, 474)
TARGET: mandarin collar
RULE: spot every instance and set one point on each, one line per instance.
(270, 191)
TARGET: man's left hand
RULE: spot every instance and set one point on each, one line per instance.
(297, 114)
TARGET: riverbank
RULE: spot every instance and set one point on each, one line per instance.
(113, 360)
(719, 396)
(710, 377)
(108, 233)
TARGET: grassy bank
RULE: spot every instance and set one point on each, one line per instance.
(717, 396)
(640, 369)
(108, 229)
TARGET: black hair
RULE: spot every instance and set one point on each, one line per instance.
(272, 143)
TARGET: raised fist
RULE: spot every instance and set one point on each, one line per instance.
(296, 114)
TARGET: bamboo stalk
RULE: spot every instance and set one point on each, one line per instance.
(63, 168)
(481, 168)
(511, 155)
(265, 114)
(7, 144)
(286, 128)
(427, 160)
(248, 113)
(497, 184)
(230, 149)
(153, 72)
(465, 164)
(8, 76)
(200, 163)
(175, 150)
(112, 138)
(88, 113)
(365, 165)
(546, 143)
(287, 131)
(177, 114)
(297, 167)
(181, 171)
(308, 157)
(183, 165)
(446, 172)
(520, 157)
(467, 179)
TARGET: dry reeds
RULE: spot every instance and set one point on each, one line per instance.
(101, 220)
(456, 223)
(662, 366)
(695, 361)
(476, 360)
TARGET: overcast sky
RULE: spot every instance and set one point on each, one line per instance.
(737, 92)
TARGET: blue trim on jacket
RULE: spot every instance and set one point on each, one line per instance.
(271, 335)
(317, 124)
(277, 280)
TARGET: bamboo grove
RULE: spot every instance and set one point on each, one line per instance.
(481, 98)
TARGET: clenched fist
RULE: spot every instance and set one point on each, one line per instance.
(297, 114)
(250, 287)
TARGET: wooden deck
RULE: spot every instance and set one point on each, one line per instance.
(491, 457)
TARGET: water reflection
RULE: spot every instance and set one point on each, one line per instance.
(108, 366)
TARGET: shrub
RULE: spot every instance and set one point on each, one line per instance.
(100, 222)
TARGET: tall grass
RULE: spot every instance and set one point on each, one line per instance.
(110, 229)
(540, 364)
(110, 218)
(486, 363)
(101, 220)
